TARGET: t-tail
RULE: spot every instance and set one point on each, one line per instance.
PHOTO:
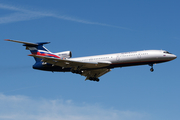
(39, 49)
(35, 48)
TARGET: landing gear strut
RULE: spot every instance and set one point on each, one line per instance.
(152, 69)
(76, 71)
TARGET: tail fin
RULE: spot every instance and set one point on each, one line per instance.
(38, 49)
(35, 48)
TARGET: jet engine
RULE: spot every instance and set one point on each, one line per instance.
(65, 54)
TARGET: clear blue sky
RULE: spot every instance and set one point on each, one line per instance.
(89, 28)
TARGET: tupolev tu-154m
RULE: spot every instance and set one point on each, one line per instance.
(92, 67)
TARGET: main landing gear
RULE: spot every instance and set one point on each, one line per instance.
(152, 69)
(77, 71)
(94, 79)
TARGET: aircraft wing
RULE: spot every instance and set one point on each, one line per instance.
(71, 63)
(95, 73)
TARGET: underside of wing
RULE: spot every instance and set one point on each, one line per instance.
(94, 74)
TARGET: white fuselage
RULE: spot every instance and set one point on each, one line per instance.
(92, 67)
(130, 58)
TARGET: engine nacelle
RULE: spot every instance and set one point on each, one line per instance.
(65, 54)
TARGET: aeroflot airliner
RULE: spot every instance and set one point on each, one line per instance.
(92, 67)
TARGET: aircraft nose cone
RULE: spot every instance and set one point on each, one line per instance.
(173, 56)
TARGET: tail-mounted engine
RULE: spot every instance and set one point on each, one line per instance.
(65, 54)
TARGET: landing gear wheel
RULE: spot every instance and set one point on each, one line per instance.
(94, 79)
(97, 80)
(76, 71)
(151, 69)
(90, 78)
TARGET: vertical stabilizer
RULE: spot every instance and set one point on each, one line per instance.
(35, 48)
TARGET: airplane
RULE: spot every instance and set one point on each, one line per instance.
(92, 67)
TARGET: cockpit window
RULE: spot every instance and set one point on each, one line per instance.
(167, 52)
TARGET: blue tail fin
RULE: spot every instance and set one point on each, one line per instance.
(37, 49)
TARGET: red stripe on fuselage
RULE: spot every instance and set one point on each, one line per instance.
(46, 54)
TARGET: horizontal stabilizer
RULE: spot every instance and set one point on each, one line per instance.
(27, 43)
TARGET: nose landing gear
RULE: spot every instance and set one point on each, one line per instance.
(152, 69)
